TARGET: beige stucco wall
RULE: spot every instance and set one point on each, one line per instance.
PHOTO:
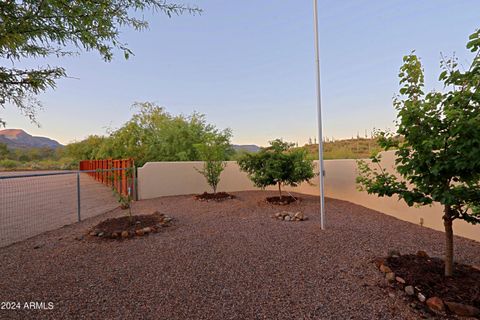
(157, 179)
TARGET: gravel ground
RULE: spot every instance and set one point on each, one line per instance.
(226, 260)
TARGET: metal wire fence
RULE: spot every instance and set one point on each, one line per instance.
(33, 203)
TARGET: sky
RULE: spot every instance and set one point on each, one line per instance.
(249, 66)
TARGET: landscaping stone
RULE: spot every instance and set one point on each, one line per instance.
(421, 297)
(385, 269)
(462, 309)
(139, 232)
(409, 290)
(400, 280)
(435, 304)
(299, 216)
(125, 234)
(390, 276)
(290, 216)
(147, 230)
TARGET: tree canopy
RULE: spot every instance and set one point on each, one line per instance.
(438, 157)
(153, 134)
(278, 164)
(32, 29)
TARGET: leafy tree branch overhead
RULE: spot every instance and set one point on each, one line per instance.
(31, 29)
(438, 155)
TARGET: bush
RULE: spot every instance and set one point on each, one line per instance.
(8, 164)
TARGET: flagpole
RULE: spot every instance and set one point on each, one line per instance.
(319, 112)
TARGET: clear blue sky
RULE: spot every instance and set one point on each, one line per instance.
(249, 66)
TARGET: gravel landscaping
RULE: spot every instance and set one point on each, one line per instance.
(221, 260)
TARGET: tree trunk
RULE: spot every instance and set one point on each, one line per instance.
(447, 222)
(280, 190)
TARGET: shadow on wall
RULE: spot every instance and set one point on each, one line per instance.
(157, 179)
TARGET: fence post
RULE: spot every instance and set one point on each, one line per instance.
(134, 182)
(78, 197)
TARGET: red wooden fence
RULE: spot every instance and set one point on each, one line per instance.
(118, 174)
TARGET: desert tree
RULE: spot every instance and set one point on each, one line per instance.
(33, 29)
(438, 153)
(279, 164)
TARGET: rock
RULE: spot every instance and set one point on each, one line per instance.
(167, 219)
(299, 216)
(147, 229)
(391, 295)
(385, 269)
(409, 290)
(462, 309)
(421, 297)
(101, 234)
(114, 235)
(435, 304)
(394, 253)
(278, 214)
(476, 266)
(400, 280)
(139, 232)
(423, 254)
(287, 218)
(37, 246)
(125, 234)
(390, 276)
(93, 233)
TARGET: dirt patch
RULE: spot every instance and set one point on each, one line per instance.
(219, 196)
(285, 200)
(129, 226)
(426, 274)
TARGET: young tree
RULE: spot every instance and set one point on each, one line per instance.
(33, 29)
(213, 153)
(279, 165)
(438, 155)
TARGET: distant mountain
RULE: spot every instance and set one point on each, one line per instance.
(19, 139)
(246, 147)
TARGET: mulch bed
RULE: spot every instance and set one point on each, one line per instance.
(427, 275)
(219, 196)
(130, 226)
(284, 200)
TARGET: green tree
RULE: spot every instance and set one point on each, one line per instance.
(438, 159)
(86, 149)
(155, 135)
(213, 153)
(279, 165)
(33, 29)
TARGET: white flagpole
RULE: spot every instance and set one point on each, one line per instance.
(319, 111)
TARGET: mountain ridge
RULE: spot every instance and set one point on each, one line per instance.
(19, 139)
